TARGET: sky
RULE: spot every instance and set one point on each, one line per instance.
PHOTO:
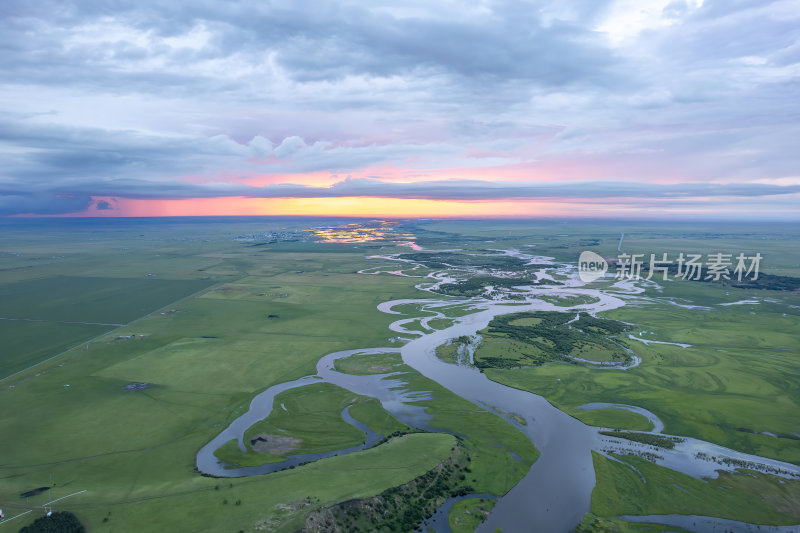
(482, 108)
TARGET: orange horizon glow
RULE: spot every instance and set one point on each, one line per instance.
(339, 206)
(379, 207)
(373, 207)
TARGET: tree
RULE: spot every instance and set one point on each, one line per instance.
(58, 522)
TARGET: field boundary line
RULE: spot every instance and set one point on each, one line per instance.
(13, 517)
(61, 322)
(132, 322)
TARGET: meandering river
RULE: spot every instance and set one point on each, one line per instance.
(555, 494)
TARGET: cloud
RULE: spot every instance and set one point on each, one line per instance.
(445, 190)
(134, 101)
(41, 203)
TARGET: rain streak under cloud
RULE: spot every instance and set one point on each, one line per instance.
(591, 107)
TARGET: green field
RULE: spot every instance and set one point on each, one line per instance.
(44, 316)
(26, 343)
(91, 299)
(212, 320)
(133, 451)
(274, 311)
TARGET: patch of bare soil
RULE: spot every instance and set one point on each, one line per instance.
(274, 444)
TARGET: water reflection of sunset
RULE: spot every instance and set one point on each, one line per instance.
(378, 230)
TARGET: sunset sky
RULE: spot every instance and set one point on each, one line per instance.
(627, 108)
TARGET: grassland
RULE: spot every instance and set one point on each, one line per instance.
(613, 418)
(489, 439)
(566, 239)
(569, 301)
(400, 508)
(476, 286)
(366, 364)
(742, 367)
(620, 491)
(311, 417)
(453, 351)
(440, 323)
(659, 441)
(134, 451)
(456, 311)
(532, 339)
(441, 260)
(592, 523)
(271, 310)
(44, 316)
(371, 412)
(735, 385)
(26, 343)
(91, 299)
(468, 514)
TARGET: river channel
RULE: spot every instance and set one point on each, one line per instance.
(555, 494)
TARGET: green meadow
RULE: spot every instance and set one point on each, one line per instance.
(566, 239)
(620, 490)
(736, 385)
(741, 369)
(311, 417)
(489, 439)
(269, 313)
(209, 320)
(525, 339)
(366, 364)
(614, 418)
(468, 514)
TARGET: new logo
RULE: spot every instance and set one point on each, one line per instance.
(591, 266)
